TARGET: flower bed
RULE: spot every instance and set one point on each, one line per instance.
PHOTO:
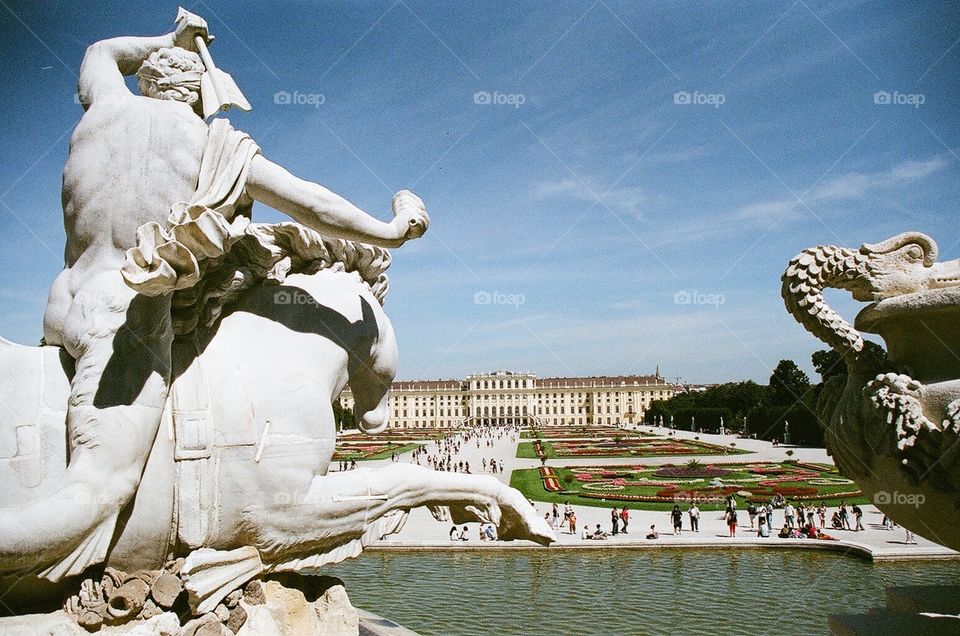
(711, 485)
(359, 451)
(580, 432)
(623, 447)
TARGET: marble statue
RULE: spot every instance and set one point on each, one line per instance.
(182, 409)
(896, 433)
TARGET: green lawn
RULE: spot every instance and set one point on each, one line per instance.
(739, 480)
(525, 450)
(347, 453)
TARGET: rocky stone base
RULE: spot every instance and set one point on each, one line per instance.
(315, 606)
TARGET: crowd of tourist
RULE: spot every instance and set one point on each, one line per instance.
(443, 453)
(348, 464)
(800, 521)
(486, 533)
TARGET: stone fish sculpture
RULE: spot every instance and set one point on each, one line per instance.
(179, 429)
(896, 433)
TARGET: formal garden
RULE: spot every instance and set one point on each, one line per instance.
(396, 435)
(367, 450)
(580, 432)
(621, 446)
(660, 487)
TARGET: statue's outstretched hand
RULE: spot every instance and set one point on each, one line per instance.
(410, 215)
(189, 27)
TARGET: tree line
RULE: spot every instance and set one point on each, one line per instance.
(765, 410)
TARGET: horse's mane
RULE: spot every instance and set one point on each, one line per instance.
(267, 254)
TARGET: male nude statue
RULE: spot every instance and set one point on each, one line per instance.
(131, 157)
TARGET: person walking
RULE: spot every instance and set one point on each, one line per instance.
(769, 516)
(844, 516)
(572, 522)
(614, 521)
(858, 515)
(910, 540)
(731, 517)
(694, 513)
(752, 513)
(676, 515)
(624, 519)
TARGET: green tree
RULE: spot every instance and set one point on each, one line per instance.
(788, 384)
(733, 401)
(829, 364)
(871, 361)
(344, 418)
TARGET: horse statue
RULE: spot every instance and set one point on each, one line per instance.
(237, 485)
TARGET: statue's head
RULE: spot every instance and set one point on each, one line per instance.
(901, 265)
(172, 74)
(904, 264)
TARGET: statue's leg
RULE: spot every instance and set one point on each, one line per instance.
(121, 346)
(340, 507)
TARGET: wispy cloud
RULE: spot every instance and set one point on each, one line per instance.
(629, 199)
(851, 186)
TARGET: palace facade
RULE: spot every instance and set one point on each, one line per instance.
(505, 397)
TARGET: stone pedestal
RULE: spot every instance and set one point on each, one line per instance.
(319, 608)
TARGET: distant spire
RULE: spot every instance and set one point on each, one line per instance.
(657, 374)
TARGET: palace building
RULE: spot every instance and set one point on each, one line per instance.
(505, 397)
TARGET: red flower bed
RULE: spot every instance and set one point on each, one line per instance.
(538, 449)
(551, 484)
(795, 491)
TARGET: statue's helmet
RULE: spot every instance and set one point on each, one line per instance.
(172, 73)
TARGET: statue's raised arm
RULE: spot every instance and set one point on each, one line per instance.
(106, 62)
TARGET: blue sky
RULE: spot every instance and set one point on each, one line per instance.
(563, 179)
